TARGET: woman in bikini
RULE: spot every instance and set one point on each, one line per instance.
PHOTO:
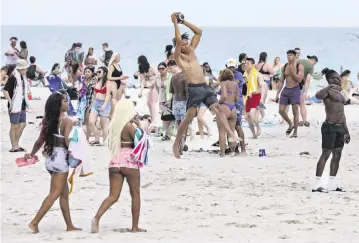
(229, 97)
(122, 165)
(278, 72)
(101, 106)
(266, 70)
(147, 76)
(55, 135)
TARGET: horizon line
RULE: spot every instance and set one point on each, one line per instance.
(156, 26)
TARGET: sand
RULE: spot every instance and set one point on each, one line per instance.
(199, 198)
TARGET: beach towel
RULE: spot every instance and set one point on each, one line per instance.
(141, 142)
(79, 155)
(252, 81)
(168, 80)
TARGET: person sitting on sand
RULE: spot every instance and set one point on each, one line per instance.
(255, 84)
(335, 132)
(121, 141)
(293, 73)
(55, 135)
(198, 90)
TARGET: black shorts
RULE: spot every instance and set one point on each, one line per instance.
(198, 93)
(332, 135)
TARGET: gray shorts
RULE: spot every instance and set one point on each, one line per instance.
(179, 110)
(17, 118)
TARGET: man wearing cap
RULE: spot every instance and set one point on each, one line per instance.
(16, 92)
(12, 53)
(308, 65)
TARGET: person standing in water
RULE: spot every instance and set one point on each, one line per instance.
(198, 90)
(335, 132)
(122, 134)
(293, 74)
(55, 135)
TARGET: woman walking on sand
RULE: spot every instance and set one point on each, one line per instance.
(121, 143)
(147, 76)
(55, 135)
(101, 106)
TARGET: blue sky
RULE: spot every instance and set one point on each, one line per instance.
(276, 13)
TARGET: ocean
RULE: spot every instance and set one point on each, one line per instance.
(334, 47)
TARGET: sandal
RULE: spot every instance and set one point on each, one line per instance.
(306, 123)
(301, 123)
(204, 133)
(14, 150)
(22, 149)
(289, 130)
(165, 138)
(95, 143)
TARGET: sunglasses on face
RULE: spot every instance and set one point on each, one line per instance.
(99, 72)
(161, 68)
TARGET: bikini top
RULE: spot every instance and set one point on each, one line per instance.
(101, 91)
(262, 71)
(116, 73)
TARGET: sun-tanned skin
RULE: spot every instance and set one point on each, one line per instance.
(334, 109)
(293, 78)
(186, 59)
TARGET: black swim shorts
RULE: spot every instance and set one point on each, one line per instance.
(332, 135)
(198, 93)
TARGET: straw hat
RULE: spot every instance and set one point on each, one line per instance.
(21, 64)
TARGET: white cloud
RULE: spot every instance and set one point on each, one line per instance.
(303, 13)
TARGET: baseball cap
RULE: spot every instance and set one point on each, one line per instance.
(231, 63)
(313, 57)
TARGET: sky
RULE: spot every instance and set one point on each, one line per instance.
(228, 13)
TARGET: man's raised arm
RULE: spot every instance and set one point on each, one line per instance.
(178, 38)
(197, 34)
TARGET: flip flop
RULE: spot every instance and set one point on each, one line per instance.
(20, 162)
(293, 136)
(95, 143)
(15, 150)
(261, 106)
(301, 123)
(165, 138)
(204, 133)
(289, 130)
(306, 123)
(320, 189)
(22, 149)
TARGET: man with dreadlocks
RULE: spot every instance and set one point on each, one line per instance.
(334, 129)
(198, 90)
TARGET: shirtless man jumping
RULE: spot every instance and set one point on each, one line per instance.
(293, 73)
(334, 129)
(198, 90)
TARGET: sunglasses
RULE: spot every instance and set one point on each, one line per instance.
(99, 72)
(161, 69)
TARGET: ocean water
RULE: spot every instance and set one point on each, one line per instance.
(334, 47)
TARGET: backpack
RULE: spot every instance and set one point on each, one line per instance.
(108, 55)
(301, 84)
(31, 72)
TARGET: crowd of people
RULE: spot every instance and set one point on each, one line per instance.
(178, 89)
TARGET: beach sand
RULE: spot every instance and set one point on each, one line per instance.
(199, 198)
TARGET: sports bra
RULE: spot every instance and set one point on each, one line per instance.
(262, 71)
(102, 90)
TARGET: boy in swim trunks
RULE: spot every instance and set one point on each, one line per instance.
(198, 90)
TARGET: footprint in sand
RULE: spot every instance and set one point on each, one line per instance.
(293, 221)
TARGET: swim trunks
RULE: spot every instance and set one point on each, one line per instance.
(253, 102)
(200, 93)
(332, 135)
(290, 96)
(179, 110)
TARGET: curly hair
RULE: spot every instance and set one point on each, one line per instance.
(51, 121)
(226, 75)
